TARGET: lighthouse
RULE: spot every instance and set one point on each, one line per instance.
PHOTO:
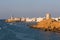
(48, 15)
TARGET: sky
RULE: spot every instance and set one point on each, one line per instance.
(29, 8)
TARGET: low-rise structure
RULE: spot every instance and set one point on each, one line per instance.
(12, 19)
(23, 19)
(55, 19)
(30, 19)
(59, 19)
(39, 19)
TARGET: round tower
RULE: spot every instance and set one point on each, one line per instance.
(48, 15)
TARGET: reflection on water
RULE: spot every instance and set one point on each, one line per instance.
(20, 31)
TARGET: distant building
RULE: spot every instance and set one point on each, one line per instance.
(12, 19)
(48, 16)
(17, 19)
(59, 19)
(30, 19)
(23, 19)
(39, 19)
(55, 19)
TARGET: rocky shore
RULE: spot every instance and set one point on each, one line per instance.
(48, 25)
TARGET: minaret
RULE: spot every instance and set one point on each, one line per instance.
(48, 15)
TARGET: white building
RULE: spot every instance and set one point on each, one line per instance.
(48, 15)
(30, 19)
(59, 19)
(23, 19)
(17, 19)
(39, 19)
(55, 19)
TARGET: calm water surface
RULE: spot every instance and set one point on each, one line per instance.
(20, 31)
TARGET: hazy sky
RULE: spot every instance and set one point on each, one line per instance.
(29, 8)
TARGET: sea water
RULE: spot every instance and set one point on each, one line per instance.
(21, 31)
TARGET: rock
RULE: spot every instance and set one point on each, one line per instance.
(48, 25)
